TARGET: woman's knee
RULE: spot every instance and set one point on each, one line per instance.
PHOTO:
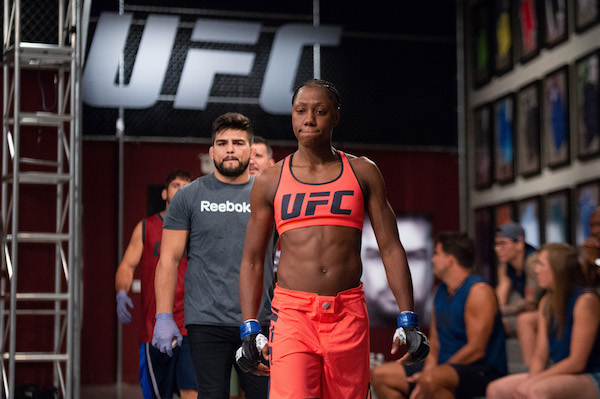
(492, 390)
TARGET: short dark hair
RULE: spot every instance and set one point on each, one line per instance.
(458, 245)
(261, 140)
(178, 173)
(233, 120)
(324, 84)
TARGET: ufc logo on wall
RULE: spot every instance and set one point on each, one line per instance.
(100, 88)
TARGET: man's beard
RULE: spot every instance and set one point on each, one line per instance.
(232, 171)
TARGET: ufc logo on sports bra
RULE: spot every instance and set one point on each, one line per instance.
(321, 200)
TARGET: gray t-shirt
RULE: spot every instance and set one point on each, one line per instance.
(216, 215)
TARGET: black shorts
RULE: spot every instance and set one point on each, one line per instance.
(213, 349)
(472, 378)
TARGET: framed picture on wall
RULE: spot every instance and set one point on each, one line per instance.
(483, 146)
(529, 29)
(503, 43)
(556, 17)
(587, 113)
(557, 216)
(504, 146)
(528, 213)
(484, 241)
(587, 198)
(482, 45)
(555, 117)
(586, 14)
(504, 213)
(528, 129)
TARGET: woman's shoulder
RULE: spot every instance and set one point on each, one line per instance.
(588, 295)
(362, 165)
(358, 159)
(588, 302)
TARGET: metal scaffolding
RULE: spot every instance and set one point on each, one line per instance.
(42, 36)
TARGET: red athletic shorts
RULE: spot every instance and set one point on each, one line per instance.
(319, 345)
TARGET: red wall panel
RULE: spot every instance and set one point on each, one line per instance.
(99, 226)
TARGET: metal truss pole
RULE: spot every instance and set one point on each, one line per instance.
(41, 35)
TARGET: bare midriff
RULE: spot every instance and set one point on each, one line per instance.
(321, 259)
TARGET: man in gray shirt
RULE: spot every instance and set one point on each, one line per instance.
(209, 220)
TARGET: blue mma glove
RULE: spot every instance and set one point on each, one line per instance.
(247, 356)
(166, 335)
(408, 332)
(123, 301)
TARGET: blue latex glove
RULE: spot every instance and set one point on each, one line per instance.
(165, 330)
(123, 301)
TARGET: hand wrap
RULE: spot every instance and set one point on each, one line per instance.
(408, 332)
(253, 341)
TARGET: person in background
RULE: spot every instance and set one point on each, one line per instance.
(515, 289)
(262, 156)
(590, 250)
(208, 218)
(467, 337)
(160, 375)
(568, 335)
(590, 263)
(319, 334)
(526, 324)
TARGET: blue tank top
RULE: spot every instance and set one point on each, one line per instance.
(560, 347)
(519, 280)
(451, 329)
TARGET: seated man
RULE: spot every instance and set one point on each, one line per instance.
(467, 338)
(516, 289)
(526, 324)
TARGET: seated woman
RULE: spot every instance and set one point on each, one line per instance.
(568, 334)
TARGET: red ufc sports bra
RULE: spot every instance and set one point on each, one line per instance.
(339, 202)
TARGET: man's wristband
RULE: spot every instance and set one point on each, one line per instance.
(408, 319)
(249, 327)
